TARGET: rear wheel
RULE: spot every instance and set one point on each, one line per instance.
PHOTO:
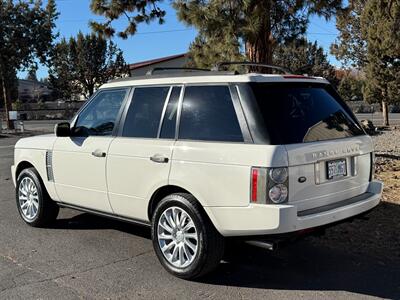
(185, 241)
(34, 204)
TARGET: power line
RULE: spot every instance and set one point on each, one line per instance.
(321, 33)
(322, 28)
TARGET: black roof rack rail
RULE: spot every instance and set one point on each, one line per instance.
(151, 72)
(218, 66)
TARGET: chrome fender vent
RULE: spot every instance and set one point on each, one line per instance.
(49, 165)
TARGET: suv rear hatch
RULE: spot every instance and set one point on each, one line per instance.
(329, 155)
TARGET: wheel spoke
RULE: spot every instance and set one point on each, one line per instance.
(29, 211)
(165, 226)
(164, 236)
(22, 191)
(23, 206)
(187, 252)
(191, 236)
(191, 246)
(175, 253)
(183, 219)
(188, 226)
(35, 204)
(181, 257)
(170, 220)
(175, 215)
(168, 247)
(34, 209)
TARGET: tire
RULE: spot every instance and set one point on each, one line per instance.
(210, 244)
(34, 204)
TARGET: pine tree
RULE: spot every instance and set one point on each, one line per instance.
(258, 26)
(83, 63)
(351, 46)
(205, 53)
(351, 87)
(380, 24)
(369, 40)
(135, 12)
(60, 72)
(303, 57)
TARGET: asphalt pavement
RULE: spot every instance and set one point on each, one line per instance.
(88, 257)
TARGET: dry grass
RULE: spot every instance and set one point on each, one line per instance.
(388, 171)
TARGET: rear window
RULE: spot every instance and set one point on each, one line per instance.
(303, 112)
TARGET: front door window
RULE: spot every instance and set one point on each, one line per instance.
(100, 116)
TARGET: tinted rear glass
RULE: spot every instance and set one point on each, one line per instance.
(299, 113)
(208, 114)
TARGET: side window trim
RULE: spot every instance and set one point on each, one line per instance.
(122, 110)
(125, 112)
(247, 138)
(163, 111)
(179, 112)
(94, 96)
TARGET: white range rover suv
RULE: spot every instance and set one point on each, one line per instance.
(201, 156)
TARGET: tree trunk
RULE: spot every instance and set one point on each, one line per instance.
(385, 113)
(7, 104)
(260, 48)
(90, 90)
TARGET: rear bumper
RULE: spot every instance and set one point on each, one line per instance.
(258, 219)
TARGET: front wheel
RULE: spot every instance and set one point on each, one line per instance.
(185, 241)
(34, 204)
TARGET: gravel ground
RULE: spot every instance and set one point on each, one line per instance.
(388, 142)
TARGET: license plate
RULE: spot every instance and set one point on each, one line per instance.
(336, 168)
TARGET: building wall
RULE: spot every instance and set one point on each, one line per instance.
(32, 91)
(176, 62)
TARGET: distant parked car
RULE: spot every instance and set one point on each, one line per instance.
(200, 157)
(394, 109)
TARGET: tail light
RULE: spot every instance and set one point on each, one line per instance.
(372, 170)
(269, 185)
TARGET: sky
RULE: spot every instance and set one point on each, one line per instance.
(154, 40)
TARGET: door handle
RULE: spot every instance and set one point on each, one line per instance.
(98, 153)
(158, 158)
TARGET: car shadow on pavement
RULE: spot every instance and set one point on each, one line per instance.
(86, 221)
(362, 257)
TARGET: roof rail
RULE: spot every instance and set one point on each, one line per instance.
(151, 72)
(218, 66)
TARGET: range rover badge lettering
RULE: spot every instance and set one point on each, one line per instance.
(333, 152)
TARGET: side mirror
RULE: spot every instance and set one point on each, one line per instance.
(63, 129)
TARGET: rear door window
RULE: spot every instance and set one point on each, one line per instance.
(208, 114)
(303, 112)
(144, 113)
